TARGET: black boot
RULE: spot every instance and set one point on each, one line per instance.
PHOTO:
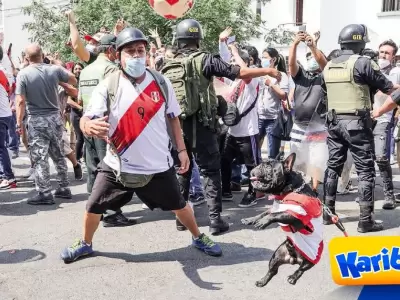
(218, 226)
(366, 223)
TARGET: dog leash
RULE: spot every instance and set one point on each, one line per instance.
(335, 219)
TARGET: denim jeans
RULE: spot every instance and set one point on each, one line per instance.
(274, 144)
(5, 162)
(12, 138)
(196, 188)
(239, 173)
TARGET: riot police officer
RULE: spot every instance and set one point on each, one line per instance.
(200, 124)
(351, 81)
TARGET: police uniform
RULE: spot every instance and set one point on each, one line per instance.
(88, 80)
(351, 82)
(200, 130)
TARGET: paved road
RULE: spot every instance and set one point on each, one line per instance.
(152, 260)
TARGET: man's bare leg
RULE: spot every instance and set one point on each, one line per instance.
(90, 224)
(186, 217)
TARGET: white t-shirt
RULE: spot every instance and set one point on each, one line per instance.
(380, 98)
(248, 125)
(141, 151)
(5, 109)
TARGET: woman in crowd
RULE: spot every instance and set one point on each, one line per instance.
(271, 100)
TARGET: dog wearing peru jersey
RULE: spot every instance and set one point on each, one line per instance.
(296, 209)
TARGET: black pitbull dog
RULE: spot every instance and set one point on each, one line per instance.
(278, 178)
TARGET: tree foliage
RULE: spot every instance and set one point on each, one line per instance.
(49, 26)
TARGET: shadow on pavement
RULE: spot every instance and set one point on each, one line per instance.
(17, 256)
(14, 203)
(233, 253)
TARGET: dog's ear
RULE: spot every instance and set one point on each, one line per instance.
(289, 162)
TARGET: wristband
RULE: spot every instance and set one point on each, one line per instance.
(181, 151)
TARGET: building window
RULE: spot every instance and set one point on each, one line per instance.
(391, 5)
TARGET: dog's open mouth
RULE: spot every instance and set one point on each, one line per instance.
(256, 183)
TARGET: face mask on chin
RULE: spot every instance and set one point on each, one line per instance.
(135, 67)
(383, 63)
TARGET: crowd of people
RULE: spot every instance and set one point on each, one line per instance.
(150, 119)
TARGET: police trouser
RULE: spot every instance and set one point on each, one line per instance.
(381, 136)
(354, 134)
(95, 150)
(45, 139)
(207, 155)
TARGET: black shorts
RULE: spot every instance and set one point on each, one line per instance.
(161, 192)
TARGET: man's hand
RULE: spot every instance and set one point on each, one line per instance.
(300, 37)
(376, 113)
(317, 36)
(153, 48)
(185, 162)
(97, 128)
(275, 74)
(224, 35)
(119, 26)
(154, 33)
(19, 129)
(71, 16)
(310, 42)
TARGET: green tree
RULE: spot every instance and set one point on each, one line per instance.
(49, 26)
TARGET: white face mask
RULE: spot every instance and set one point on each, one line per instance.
(135, 67)
(383, 63)
(90, 47)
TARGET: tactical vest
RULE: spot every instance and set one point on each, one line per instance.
(195, 93)
(344, 94)
(91, 76)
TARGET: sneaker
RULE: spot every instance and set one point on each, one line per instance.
(227, 196)
(118, 220)
(6, 184)
(42, 199)
(248, 200)
(206, 245)
(78, 172)
(236, 187)
(63, 192)
(196, 200)
(30, 173)
(77, 250)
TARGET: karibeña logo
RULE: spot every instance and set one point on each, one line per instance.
(353, 266)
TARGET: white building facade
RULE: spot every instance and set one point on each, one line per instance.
(382, 17)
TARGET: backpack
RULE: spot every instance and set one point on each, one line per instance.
(229, 112)
(194, 92)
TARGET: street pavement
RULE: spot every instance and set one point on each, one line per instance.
(152, 260)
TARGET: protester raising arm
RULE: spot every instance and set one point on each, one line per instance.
(318, 55)
(223, 47)
(293, 66)
(76, 42)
